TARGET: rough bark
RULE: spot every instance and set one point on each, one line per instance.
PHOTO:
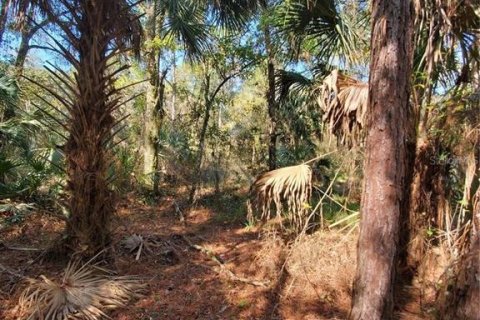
(386, 164)
(428, 199)
(91, 201)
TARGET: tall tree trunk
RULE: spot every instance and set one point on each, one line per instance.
(174, 85)
(159, 115)
(3, 17)
(153, 118)
(385, 195)
(201, 141)
(28, 32)
(91, 201)
(149, 136)
(272, 105)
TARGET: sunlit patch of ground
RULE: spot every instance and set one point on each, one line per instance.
(309, 279)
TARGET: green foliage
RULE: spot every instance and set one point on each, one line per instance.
(8, 92)
(322, 27)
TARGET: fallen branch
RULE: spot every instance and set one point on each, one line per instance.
(215, 258)
(12, 272)
(2, 244)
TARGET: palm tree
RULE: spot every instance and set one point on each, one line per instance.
(446, 55)
(335, 32)
(93, 34)
(341, 99)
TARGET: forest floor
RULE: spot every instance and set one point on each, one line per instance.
(254, 274)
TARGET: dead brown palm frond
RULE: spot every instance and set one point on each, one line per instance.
(84, 292)
(138, 244)
(344, 102)
(292, 185)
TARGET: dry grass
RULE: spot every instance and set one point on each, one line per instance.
(316, 271)
(84, 292)
(326, 261)
(268, 260)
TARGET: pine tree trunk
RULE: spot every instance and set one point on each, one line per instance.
(386, 171)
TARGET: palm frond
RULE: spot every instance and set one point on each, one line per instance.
(185, 21)
(334, 34)
(288, 82)
(234, 14)
(84, 292)
(446, 40)
(344, 103)
(290, 184)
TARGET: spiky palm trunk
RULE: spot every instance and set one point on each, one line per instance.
(91, 201)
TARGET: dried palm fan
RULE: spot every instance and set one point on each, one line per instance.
(292, 185)
(83, 293)
(344, 103)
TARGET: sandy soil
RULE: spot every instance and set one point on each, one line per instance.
(309, 279)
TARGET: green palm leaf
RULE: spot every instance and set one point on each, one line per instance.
(335, 34)
(184, 20)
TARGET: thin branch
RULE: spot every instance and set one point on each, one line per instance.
(114, 107)
(126, 86)
(225, 80)
(63, 73)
